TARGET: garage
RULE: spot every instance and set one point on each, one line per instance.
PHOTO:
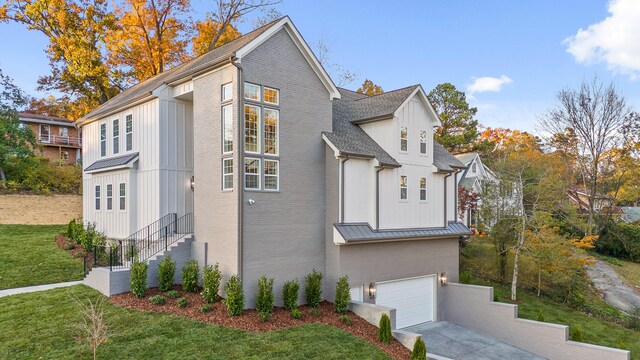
(413, 299)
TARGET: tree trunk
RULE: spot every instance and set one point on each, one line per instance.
(2, 176)
(514, 280)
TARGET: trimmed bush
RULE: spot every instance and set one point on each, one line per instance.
(211, 283)
(343, 297)
(69, 246)
(139, 278)
(174, 294)
(190, 274)
(290, 292)
(182, 302)
(313, 288)
(235, 296)
(575, 333)
(419, 351)
(157, 300)
(384, 331)
(205, 308)
(296, 314)
(75, 228)
(264, 300)
(166, 271)
(345, 319)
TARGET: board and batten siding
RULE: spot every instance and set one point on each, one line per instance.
(359, 191)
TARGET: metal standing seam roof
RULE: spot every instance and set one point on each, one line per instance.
(117, 161)
(363, 232)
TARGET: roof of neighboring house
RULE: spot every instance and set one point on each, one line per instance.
(466, 158)
(44, 119)
(112, 163)
(468, 182)
(363, 233)
(443, 160)
(630, 213)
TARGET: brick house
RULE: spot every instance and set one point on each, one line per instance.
(58, 138)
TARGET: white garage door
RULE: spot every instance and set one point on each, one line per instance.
(413, 299)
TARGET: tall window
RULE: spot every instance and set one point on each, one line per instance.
(45, 133)
(227, 128)
(403, 187)
(227, 174)
(271, 120)
(423, 142)
(252, 91)
(252, 174)
(123, 196)
(97, 197)
(227, 92)
(116, 136)
(423, 188)
(271, 96)
(251, 129)
(103, 139)
(129, 132)
(271, 175)
(403, 138)
(109, 197)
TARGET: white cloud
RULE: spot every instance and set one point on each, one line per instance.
(487, 83)
(615, 40)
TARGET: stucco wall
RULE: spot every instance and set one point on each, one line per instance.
(472, 306)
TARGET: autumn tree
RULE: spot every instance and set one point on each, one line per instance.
(459, 127)
(206, 31)
(370, 88)
(494, 144)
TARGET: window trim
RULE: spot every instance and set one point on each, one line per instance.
(48, 133)
(258, 128)
(264, 99)
(229, 106)
(227, 174)
(406, 139)
(264, 124)
(425, 142)
(277, 176)
(122, 197)
(222, 87)
(406, 188)
(63, 129)
(126, 139)
(426, 195)
(259, 174)
(97, 198)
(107, 197)
(103, 125)
(115, 138)
(474, 167)
(259, 99)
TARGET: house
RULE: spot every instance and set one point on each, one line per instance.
(250, 157)
(477, 179)
(59, 139)
(629, 214)
(603, 203)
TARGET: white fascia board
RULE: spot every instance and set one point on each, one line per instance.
(336, 152)
(287, 24)
(419, 91)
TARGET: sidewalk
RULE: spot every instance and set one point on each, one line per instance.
(29, 289)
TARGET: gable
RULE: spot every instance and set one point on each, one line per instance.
(418, 94)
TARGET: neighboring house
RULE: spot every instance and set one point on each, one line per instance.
(630, 214)
(59, 139)
(579, 198)
(479, 179)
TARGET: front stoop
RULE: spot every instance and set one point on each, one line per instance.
(119, 281)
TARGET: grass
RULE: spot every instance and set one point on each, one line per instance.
(629, 271)
(29, 256)
(38, 325)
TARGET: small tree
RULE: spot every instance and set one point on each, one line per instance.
(92, 327)
(235, 296)
(419, 350)
(264, 300)
(190, 274)
(343, 297)
(211, 283)
(139, 277)
(166, 271)
(313, 288)
(290, 292)
(384, 331)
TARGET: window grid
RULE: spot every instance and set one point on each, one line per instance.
(271, 175)
(423, 142)
(271, 124)
(252, 174)
(271, 96)
(227, 174)
(109, 197)
(403, 138)
(403, 187)
(103, 139)
(129, 132)
(252, 91)
(116, 136)
(252, 129)
(423, 189)
(227, 128)
(123, 196)
(97, 197)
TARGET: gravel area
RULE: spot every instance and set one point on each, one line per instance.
(616, 292)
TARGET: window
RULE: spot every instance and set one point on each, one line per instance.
(403, 138)
(45, 133)
(64, 155)
(227, 174)
(252, 92)
(116, 136)
(64, 132)
(271, 96)
(271, 120)
(403, 187)
(123, 193)
(109, 197)
(423, 189)
(423, 142)
(129, 132)
(227, 92)
(473, 167)
(251, 129)
(103, 139)
(97, 197)
(227, 128)
(252, 174)
(271, 175)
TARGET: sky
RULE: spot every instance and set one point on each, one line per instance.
(510, 57)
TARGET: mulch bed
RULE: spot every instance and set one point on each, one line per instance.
(281, 318)
(62, 241)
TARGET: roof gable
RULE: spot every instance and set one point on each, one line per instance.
(422, 96)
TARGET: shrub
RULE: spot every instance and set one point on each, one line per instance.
(42, 176)
(205, 308)
(139, 278)
(90, 237)
(575, 333)
(157, 299)
(634, 318)
(182, 302)
(314, 311)
(343, 297)
(211, 283)
(384, 331)
(290, 292)
(235, 296)
(419, 351)
(264, 300)
(296, 314)
(540, 316)
(174, 294)
(345, 319)
(466, 277)
(75, 228)
(166, 270)
(69, 246)
(190, 273)
(496, 298)
(313, 289)
(620, 240)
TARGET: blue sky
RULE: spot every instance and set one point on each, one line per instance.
(510, 56)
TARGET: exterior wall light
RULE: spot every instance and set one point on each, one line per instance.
(372, 291)
(443, 279)
(192, 182)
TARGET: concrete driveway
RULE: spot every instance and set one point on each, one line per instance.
(459, 343)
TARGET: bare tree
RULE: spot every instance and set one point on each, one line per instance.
(92, 327)
(343, 76)
(598, 115)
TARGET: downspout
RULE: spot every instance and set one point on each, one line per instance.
(445, 200)
(344, 160)
(380, 168)
(455, 194)
(240, 152)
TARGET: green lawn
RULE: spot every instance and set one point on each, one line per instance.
(628, 270)
(29, 256)
(38, 325)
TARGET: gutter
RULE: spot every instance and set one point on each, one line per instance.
(342, 188)
(446, 222)
(134, 101)
(240, 152)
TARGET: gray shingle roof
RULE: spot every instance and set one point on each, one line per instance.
(466, 158)
(443, 160)
(25, 116)
(183, 70)
(468, 182)
(106, 164)
(630, 213)
(361, 232)
(363, 107)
